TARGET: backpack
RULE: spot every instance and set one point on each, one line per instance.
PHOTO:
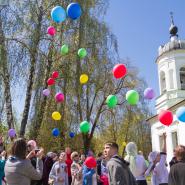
(125, 164)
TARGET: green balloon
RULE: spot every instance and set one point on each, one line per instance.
(64, 49)
(112, 101)
(84, 127)
(132, 97)
(82, 53)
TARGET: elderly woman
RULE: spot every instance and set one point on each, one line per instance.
(137, 163)
(18, 169)
(177, 171)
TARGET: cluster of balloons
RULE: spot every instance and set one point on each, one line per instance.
(56, 133)
(166, 116)
(120, 71)
(59, 15)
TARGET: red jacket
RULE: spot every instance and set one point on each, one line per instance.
(69, 162)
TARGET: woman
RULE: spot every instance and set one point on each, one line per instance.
(18, 169)
(137, 163)
(177, 171)
(59, 171)
(76, 169)
(51, 158)
(158, 166)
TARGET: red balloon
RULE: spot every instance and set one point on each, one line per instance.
(51, 81)
(166, 117)
(90, 162)
(55, 74)
(119, 71)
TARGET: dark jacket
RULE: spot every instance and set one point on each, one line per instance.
(34, 163)
(46, 170)
(177, 174)
(119, 172)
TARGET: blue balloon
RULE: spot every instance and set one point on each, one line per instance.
(71, 134)
(55, 132)
(74, 11)
(180, 113)
(58, 14)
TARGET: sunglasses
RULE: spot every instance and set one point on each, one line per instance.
(28, 146)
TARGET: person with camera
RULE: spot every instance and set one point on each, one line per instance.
(18, 167)
(32, 155)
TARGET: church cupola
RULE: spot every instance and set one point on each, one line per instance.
(171, 70)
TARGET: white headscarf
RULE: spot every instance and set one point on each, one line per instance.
(131, 150)
(152, 156)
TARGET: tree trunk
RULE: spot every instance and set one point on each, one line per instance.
(6, 78)
(42, 106)
(36, 39)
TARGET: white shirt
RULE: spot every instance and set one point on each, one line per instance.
(160, 172)
(140, 167)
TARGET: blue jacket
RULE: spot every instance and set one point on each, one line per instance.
(87, 175)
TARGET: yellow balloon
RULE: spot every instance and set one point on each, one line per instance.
(84, 78)
(124, 143)
(56, 116)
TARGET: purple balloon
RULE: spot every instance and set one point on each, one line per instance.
(59, 97)
(11, 133)
(46, 92)
(149, 93)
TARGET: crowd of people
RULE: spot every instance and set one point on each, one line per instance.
(26, 164)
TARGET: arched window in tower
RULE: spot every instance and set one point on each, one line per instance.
(163, 82)
(182, 77)
(171, 79)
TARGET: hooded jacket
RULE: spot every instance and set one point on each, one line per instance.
(119, 173)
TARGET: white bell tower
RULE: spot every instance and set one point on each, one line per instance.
(171, 71)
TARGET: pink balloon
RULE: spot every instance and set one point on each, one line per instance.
(46, 92)
(59, 97)
(51, 31)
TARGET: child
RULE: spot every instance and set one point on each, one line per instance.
(59, 171)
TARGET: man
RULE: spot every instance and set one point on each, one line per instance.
(32, 146)
(118, 171)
